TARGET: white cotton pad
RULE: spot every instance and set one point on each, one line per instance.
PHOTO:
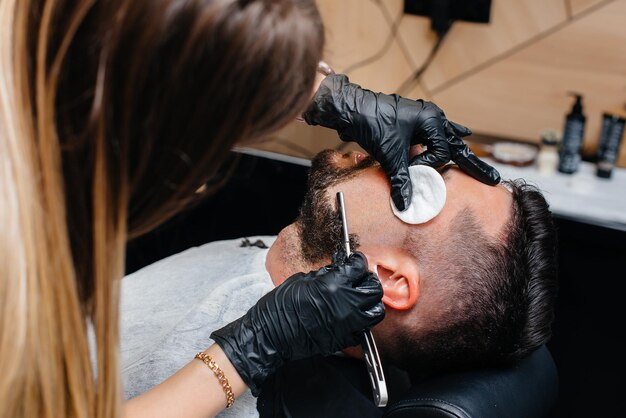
(429, 196)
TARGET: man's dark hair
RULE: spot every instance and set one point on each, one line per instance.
(500, 293)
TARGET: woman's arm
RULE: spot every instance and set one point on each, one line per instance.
(193, 391)
(319, 312)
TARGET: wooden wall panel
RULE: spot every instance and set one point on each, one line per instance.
(413, 32)
(357, 30)
(348, 40)
(577, 6)
(508, 79)
(469, 45)
(525, 93)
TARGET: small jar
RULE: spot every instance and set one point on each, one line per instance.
(548, 157)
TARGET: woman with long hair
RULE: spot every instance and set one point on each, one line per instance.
(112, 114)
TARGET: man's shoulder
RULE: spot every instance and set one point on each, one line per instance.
(232, 257)
(169, 308)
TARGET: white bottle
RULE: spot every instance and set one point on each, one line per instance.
(548, 157)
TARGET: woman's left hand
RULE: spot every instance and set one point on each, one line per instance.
(387, 126)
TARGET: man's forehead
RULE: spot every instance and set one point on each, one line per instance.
(367, 191)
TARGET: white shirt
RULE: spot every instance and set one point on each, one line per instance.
(170, 308)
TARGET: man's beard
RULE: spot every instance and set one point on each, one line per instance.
(319, 223)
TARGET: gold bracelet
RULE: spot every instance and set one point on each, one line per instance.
(208, 360)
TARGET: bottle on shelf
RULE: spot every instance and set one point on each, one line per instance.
(548, 157)
(573, 135)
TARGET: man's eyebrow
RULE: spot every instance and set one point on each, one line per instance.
(443, 170)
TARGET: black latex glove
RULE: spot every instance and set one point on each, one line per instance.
(319, 312)
(386, 126)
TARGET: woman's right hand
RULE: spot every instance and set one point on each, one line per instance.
(319, 312)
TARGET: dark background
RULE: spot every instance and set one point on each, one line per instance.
(263, 196)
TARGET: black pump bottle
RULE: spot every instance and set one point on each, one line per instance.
(573, 135)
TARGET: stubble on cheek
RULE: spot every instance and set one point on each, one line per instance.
(319, 230)
(319, 223)
(321, 234)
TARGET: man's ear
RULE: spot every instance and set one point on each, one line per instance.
(398, 272)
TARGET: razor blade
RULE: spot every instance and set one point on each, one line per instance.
(372, 359)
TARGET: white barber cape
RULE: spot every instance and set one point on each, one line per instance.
(170, 308)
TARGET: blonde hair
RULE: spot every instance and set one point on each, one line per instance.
(95, 100)
(44, 352)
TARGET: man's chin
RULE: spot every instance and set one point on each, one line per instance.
(284, 257)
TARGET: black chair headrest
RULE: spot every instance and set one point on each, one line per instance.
(527, 389)
(339, 387)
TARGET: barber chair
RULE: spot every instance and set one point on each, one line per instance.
(527, 389)
(338, 387)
